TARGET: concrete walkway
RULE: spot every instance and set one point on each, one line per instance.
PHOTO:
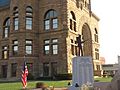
(97, 86)
(52, 89)
(101, 85)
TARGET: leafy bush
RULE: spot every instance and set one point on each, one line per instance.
(41, 85)
(44, 78)
(63, 76)
(30, 77)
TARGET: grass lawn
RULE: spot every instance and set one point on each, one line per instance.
(32, 84)
(103, 79)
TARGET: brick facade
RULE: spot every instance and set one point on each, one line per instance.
(85, 24)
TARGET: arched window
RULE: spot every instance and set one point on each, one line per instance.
(72, 21)
(29, 15)
(6, 28)
(15, 19)
(96, 35)
(51, 20)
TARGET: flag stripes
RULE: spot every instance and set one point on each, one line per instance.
(24, 75)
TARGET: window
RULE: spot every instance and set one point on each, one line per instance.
(45, 69)
(72, 21)
(76, 50)
(28, 47)
(98, 67)
(47, 25)
(15, 11)
(55, 49)
(54, 66)
(5, 52)
(96, 53)
(72, 49)
(4, 71)
(16, 22)
(29, 13)
(72, 46)
(96, 35)
(46, 47)
(55, 23)
(51, 45)
(16, 19)
(51, 20)
(13, 69)
(6, 28)
(15, 47)
(28, 23)
(54, 46)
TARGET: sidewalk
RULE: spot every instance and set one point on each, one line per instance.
(101, 85)
(97, 86)
(52, 89)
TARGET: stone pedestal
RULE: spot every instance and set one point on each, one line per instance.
(82, 72)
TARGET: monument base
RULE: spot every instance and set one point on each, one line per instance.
(73, 88)
(82, 72)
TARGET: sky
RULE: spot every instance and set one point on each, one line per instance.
(109, 28)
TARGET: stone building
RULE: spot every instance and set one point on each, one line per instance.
(43, 33)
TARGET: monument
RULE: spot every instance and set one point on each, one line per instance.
(82, 69)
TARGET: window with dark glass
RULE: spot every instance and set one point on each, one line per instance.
(96, 35)
(71, 24)
(45, 69)
(5, 52)
(13, 69)
(72, 47)
(15, 12)
(4, 71)
(15, 47)
(72, 21)
(98, 67)
(6, 28)
(76, 50)
(46, 47)
(51, 20)
(29, 13)
(96, 53)
(16, 19)
(28, 47)
(54, 66)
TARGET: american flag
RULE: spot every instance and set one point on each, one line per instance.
(24, 75)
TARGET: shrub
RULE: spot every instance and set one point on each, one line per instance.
(30, 77)
(63, 76)
(41, 85)
(44, 78)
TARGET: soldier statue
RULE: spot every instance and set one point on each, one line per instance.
(79, 41)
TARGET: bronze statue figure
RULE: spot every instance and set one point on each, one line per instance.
(80, 52)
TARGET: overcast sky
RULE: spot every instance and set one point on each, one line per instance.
(109, 28)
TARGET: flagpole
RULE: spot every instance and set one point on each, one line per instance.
(25, 69)
(24, 73)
